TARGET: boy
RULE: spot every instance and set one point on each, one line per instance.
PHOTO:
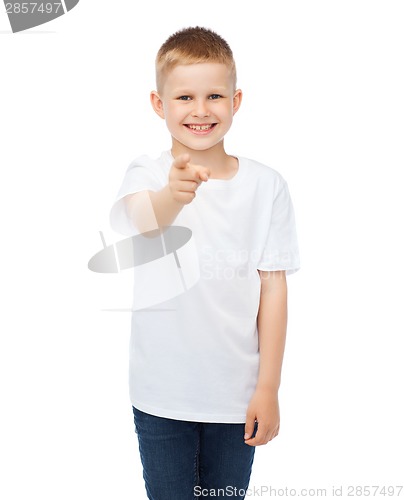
(205, 366)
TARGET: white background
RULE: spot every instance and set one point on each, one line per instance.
(323, 104)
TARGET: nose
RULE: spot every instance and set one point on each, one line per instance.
(200, 108)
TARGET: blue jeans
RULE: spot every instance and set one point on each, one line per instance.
(189, 460)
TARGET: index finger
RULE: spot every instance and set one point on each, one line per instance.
(181, 161)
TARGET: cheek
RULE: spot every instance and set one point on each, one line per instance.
(173, 120)
(173, 114)
(227, 112)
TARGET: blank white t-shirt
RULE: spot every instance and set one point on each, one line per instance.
(195, 357)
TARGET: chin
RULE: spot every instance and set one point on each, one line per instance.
(200, 145)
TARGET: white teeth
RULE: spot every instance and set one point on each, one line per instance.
(200, 127)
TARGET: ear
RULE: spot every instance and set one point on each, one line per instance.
(157, 103)
(237, 98)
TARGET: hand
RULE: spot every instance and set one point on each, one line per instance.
(185, 178)
(263, 408)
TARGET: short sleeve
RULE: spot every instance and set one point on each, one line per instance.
(139, 176)
(281, 250)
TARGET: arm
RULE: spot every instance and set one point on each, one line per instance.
(150, 210)
(271, 323)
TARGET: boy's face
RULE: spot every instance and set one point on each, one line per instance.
(198, 102)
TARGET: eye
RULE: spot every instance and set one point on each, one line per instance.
(184, 98)
(215, 96)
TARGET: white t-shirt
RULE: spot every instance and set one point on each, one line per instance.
(195, 356)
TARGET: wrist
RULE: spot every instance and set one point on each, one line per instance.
(268, 388)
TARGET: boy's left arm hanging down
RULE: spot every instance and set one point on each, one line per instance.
(272, 324)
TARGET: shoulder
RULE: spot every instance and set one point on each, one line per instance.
(147, 167)
(147, 161)
(264, 173)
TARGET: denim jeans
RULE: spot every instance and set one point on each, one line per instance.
(189, 460)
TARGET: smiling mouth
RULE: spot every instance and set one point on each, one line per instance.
(202, 128)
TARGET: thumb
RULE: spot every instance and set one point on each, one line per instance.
(249, 426)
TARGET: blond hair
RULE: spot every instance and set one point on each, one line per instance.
(193, 46)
